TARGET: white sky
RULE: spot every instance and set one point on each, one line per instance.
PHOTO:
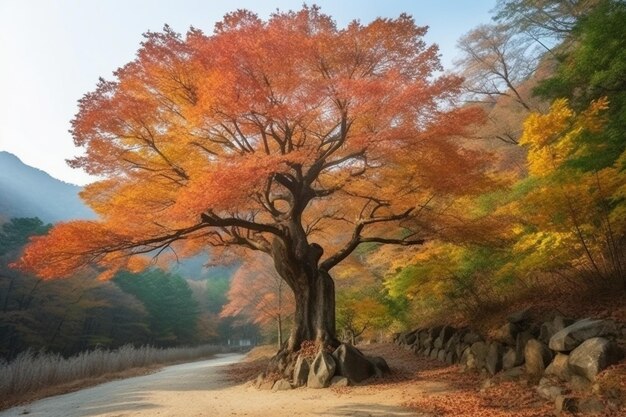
(53, 51)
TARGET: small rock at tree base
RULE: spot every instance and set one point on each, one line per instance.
(352, 364)
(380, 364)
(301, 371)
(339, 381)
(592, 356)
(282, 385)
(322, 370)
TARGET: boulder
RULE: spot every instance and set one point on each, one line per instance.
(441, 355)
(422, 336)
(434, 353)
(322, 370)
(507, 334)
(580, 383)
(471, 338)
(520, 344)
(380, 365)
(409, 339)
(547, 390)
(565, 404)
(339, 381)
(451, 358)
(509, 359)
(460, 348)
(519, 316)
(479, 351)
(301, 371)
(559, 367)
(592, 356)
(512, 374)
(493, 361)
(570, 337)
(537, 356)
(352, 364)
(426, 352)
(453, 342)
(282, 385)
(444, 336)
(263, 383)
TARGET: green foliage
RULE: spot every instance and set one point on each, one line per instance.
(168, 299)
(595, 67)
(217, 290)
(15, 233)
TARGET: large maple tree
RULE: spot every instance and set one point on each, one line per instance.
(289, 136)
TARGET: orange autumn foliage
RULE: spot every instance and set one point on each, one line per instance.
(222, 139)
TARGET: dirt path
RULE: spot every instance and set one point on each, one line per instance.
(217, 387)
(199, 389)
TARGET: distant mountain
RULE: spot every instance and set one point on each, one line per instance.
(30, 192)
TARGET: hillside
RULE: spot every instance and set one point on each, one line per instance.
(29, 192)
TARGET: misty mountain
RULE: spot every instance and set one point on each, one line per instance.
(30, 192)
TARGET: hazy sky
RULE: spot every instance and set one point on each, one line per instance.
(53, 51)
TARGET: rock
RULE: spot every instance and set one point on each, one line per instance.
(322, 370)
(282, 385)
(444, 336)
(493, 361)
(470, 338)
(380, 365)
(460, 349)
(426, 352)
(301, 371)
(352, 364)
(434, 353)
(509, 359)
(559, 367)
(570, 337)
(507, 334)
(422, 336)
(451, 358)
(409, 339)
(565, 404)
(339, 381)
(262, 383)
(512, 374)
(592, 356)
(520, 344)
(435, 331)
(453, 342)
(580, 384)
(548, 391)
(519, 316)
(537, 356)
(428, 342)
(479, 351)
(441, 355)
(591, 405)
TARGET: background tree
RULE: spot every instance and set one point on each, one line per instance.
(288, 136)
(259, 295)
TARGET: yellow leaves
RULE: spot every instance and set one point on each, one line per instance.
(553, 138)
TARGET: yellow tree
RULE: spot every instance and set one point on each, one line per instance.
(288, 136)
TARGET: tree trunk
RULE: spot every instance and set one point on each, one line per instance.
(314, 293)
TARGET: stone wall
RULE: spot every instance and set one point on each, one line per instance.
(557, 356)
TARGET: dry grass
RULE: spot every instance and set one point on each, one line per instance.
(32, 375)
